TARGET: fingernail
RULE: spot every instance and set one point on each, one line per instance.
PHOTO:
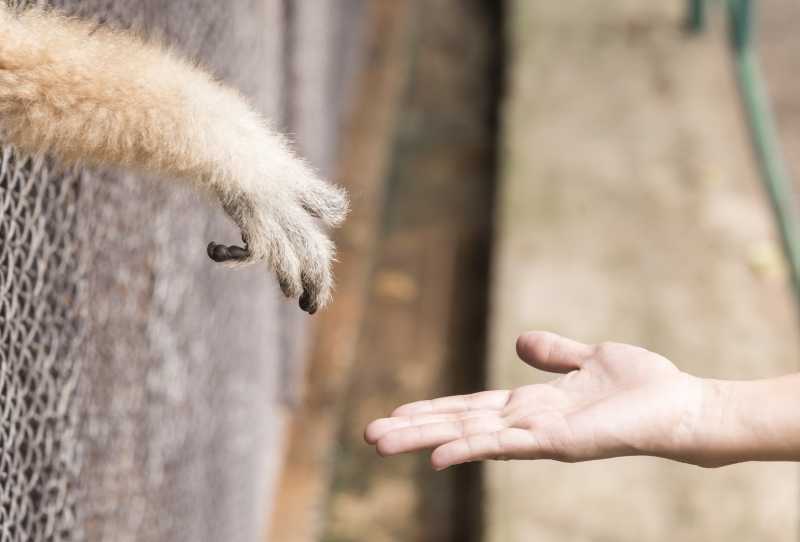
(221, 253)
(238, 253)
(305, 301)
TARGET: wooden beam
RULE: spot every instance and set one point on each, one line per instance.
(367, 142)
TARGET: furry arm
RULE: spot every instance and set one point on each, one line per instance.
(99, 96)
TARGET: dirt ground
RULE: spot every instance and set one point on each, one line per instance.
(778, 22)
(630, 210)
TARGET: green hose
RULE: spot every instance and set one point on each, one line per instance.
(762, 126)
(696, 18)
(771, 162)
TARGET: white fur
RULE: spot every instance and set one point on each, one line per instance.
(101, 96)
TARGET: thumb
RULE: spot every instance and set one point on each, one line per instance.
(551, 352)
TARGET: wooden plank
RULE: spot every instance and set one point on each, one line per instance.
(425, 334)
(367, 142)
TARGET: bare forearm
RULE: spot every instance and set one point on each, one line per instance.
(614, 400)
(755, 420)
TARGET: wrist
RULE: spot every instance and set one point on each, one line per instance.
(696, 406)
(700, 432)
(697, 435)
(746, 421)
(715, 431)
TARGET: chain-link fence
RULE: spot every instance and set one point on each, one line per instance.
(140, 384)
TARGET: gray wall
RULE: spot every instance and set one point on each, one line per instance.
(141, 386)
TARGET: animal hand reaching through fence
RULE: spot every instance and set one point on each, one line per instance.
(279, 224)
(95, 95)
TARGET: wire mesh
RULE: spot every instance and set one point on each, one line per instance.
(140, 385)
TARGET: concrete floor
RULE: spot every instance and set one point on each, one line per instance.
(630, 210)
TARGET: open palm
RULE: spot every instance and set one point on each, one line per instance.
(612, 400)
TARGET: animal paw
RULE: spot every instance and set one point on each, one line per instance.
(287, 233)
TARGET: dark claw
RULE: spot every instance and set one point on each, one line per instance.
(311, 211)
(238, 253)
(285, 288)
(212, 251)
(307, 304)
(305, 300)
(223, 253)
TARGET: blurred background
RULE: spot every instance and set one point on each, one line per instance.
(604, 170)
(581, 167)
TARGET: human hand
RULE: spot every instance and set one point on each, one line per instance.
(612, 400)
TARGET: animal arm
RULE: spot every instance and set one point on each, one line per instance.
(101, 96)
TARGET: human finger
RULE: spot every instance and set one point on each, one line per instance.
(420, 437)
(551, 352)
(485, 400)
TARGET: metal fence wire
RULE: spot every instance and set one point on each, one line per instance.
(42, 279)
(140, 384)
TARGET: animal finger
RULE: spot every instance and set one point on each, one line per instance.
(224, 253)
(279, 251)
(315, 254)
(326, 202)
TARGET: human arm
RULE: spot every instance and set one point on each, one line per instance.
(612, 400)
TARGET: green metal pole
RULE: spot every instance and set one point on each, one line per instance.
(762, 124)
(740, 14)
(696, 16)
(764, 134)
